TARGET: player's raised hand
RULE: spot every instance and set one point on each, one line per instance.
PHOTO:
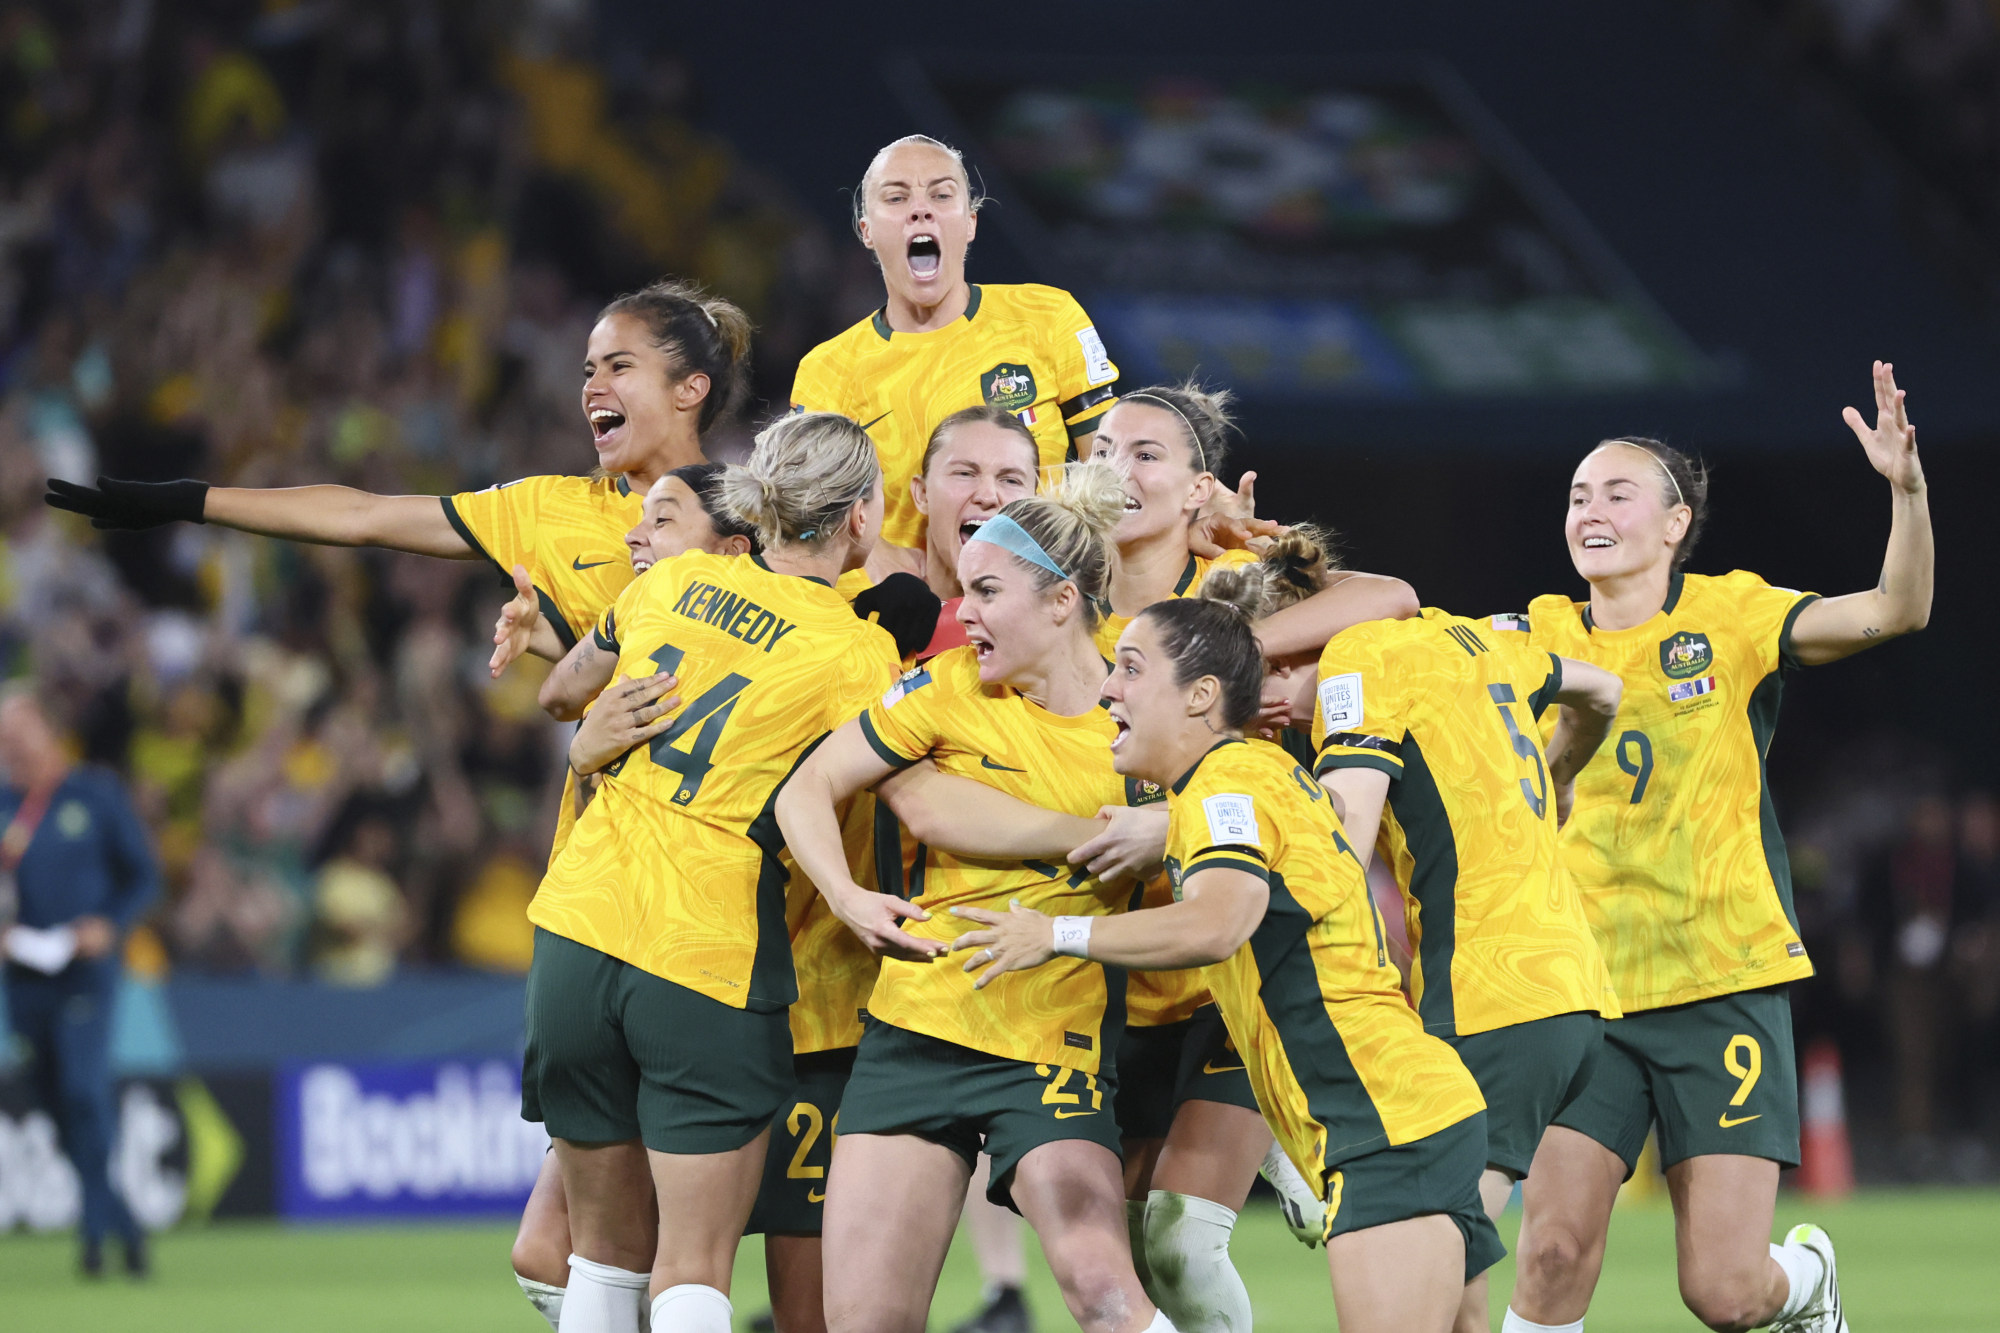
(1013, 941)
(876, 920)
(628, 713)
(516, 625)
(1229, 522)
(1892, 441)
(1134, 840)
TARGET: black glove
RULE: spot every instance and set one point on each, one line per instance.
(904, 605)
(131, 505)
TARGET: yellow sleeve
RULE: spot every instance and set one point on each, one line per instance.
(822, 382)
(500, 521)
(1360, 721)
(902, 726)
(502, 524)
(1218, 824)
(1085, 375)
(1766, 615)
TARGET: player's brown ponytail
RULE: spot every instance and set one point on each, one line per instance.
(700, 333)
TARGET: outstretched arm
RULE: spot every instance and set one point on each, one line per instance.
(1348, 600)
(328, 515)
(1219, 909)
(1836, 627)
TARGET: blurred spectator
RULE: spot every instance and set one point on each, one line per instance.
(284, 243)
(1917, 883)
(360, 920)
(1976, 958)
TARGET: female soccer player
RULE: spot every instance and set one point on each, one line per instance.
(662, 365)
(1425, 735)
(1380, 1116)
(1193, 1133)
(940, 343)
(657, 1003)
(1675, 846)
(939, 1072)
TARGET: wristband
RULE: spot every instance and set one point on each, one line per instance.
(1073, 935)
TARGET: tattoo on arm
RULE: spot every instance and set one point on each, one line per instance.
(582, 660)
(1870, 632)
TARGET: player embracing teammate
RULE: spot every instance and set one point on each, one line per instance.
(1127, 949)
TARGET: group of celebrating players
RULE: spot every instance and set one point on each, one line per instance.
(971, 774)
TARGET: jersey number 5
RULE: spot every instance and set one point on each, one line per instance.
(1536, 793)
(710, 713)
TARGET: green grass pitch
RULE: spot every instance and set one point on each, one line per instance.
(1911, 1262)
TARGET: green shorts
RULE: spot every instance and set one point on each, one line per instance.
(793, 1195)
(616, 1053)
(1436, 1174)
(1528, 1073)
(1189, 1061)
(1716, 1076)
(971, 1102)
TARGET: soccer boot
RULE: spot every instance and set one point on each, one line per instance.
(1304, 1214)
(1822, 1311)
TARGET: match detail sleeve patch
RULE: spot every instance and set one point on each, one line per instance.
(1340, 702)
(1097, 367)
(1232, 820)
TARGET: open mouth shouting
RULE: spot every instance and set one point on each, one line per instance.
(968, 528)
(1124, 727)
(926, 256)
(605, 422)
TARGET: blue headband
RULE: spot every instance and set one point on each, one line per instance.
(1012, 538)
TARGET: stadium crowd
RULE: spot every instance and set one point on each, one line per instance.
(277, 243)
(273, 244)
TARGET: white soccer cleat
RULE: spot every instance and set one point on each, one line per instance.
(1822, 1312)
(1304, 1214)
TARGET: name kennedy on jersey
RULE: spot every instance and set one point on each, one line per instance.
(738, 617)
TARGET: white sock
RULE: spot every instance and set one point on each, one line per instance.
(1187, 1249)
(692, 1308)
(603, 1299)
(1804, 1270)
(1135, 1226)
(1513, 1323)
(1160, 1324)
(547, 1300)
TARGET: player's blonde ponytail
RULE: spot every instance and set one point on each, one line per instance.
(805, 475)
(1072, 521)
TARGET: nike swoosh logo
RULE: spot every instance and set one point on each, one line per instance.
(578, 565)
(984, 762)
(815, 1196)
(1727, 1123)
(1071, 1115)
(866, 424)
(1210, 1068)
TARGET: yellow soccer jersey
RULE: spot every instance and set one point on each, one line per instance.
(1028, 349)
(1445, 706)
(1155, 999)
(1197, 571)
(1673, 839)
(1340, 1062)
(835, 969)
(1070, 1012)
(569, 532)
(675, 867)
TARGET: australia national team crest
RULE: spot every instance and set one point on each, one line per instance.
(1684, 655)
(1008, 387)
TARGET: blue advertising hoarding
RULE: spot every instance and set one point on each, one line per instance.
(360, 1140)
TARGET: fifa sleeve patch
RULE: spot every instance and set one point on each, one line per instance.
(1097, 367)
(906, 684)
(1232, 819)
(1340, 704)
(1513, 622)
